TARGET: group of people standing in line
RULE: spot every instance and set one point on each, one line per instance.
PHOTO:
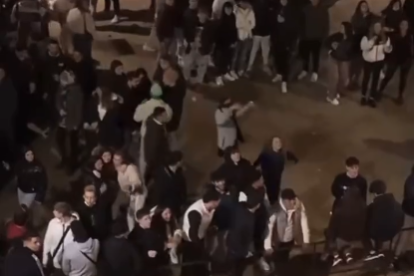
(229, 35)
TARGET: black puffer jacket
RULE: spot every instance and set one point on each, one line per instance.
(31, 176)
(385, 218)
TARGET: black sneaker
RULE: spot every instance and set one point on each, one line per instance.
(373, 255)
(363, 101)
(372, 103)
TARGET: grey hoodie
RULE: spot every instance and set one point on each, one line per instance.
(74, 263)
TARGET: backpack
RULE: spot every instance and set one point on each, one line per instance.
(28, 11)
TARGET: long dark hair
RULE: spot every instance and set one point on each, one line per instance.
(159, 224)
(382, 35)
(358, 12)
(348, 30)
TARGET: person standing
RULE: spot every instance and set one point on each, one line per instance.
(283, 37)
(165, 24)
(272, 161)
(116, 7)
(31, 179)
(81, 26)
(400, 58)
(375, 45)
(80, 256)
(261, 35)
(24, 260)
(340, 46)
(225, 43)
(69, 103)
(196, 222)
(245, 23)
(361, 21)
(315, 29)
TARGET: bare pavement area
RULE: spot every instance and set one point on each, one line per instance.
(321, 135)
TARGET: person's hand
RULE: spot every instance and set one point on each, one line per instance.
(280, 18)
(85, 125)
(152, 253)
(170, 245)
(335, 45)
(62, 112)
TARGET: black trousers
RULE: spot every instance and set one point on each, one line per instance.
(194, 259)
(281, 58)
(310, 49)
(392, 67)
(237, 266)
(372, 71)
(116, 6)
(63, 138)
(223, 58)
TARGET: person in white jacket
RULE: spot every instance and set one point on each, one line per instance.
(145, 109)
(80, 256)
(287, 226)
(58, 234)
(245, 22)
(374, 46)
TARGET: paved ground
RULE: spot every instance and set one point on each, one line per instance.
(322, 136)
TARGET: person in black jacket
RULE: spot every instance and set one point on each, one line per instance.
(283, 36)
(117, 81)
(85, 74)
(340, 46)
(261, 35)
(94, 214)
(155, 142)
(393, 15)
(169, 186)
(119, 255)
(272, 162)
(24, 260)
(348, 179)
(241, 234)
(190, 24)
(385, 218)
(165, 26)
(226, 39)
(149, 244)
(200, 54)
(31, 179)
(236, 167)
(400, 58)
(408, 208)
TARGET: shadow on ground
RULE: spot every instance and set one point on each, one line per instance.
(402, 149)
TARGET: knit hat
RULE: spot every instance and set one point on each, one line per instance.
(156, 90)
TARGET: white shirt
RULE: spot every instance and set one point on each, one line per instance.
(372, 52)
(206, 218)
(288, 234)
(54, 233)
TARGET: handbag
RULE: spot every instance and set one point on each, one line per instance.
(49, 266)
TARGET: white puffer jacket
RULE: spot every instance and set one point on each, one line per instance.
(245, 22)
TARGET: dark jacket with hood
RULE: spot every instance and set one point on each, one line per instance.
(226, 34)
(345, 49)
(263, 17)
(393, 17)
(316, 22)
(21, 261)
(236, 172)
(169, 189)
(343, 182)
(190, 23)
(284, 34)
(385, 218)
(348, 219)
(408, 200)
(174, 97)
(32, 177)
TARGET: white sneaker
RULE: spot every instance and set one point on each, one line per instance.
(277, 78)
(148, 48)
(382, 75)
(264, 265)
(314, 77)
(115, 19)
(240, 73)
(173, 257)
(219, 81)
(229, 77)
(338, 96)
(284, 87)
(302, 75)
(234, 75)
(333, 102)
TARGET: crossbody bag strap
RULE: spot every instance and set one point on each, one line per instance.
(60, 243)
(87, 257)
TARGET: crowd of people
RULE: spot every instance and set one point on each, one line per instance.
(130, 213)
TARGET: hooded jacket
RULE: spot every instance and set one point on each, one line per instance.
(31, 176)
(279, 221)
(245, 22)
(343, 182)
(74, 263)
(345, 49)
(385, 218)
(226, 29)
(408, 201)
